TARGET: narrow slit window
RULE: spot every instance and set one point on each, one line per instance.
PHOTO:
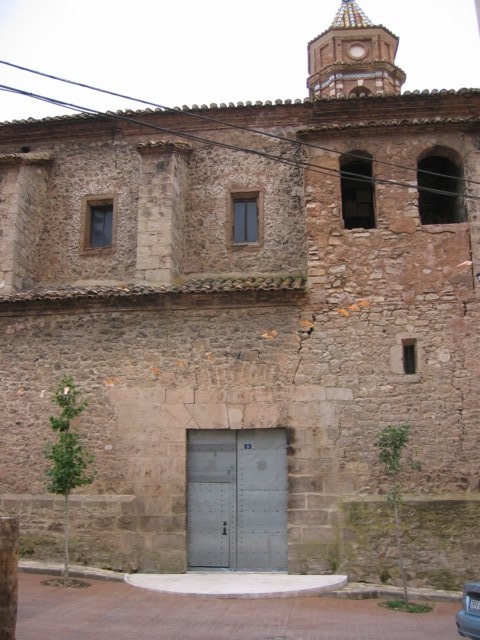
(410, 357)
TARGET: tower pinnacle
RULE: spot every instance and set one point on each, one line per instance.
(354, 57)
(350, 15)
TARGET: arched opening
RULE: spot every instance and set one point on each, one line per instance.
(440, 188)
(359, 92)
(356, 175)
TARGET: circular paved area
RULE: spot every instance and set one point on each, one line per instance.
(240, 584)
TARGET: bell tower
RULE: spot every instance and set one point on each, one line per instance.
(353, 57)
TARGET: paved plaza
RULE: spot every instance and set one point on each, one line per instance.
(114, 610)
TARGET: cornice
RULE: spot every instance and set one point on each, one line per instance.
(228, 285)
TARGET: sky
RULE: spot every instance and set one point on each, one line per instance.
(194, 52)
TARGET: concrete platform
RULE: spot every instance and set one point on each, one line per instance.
(237, 584)
(247, 585)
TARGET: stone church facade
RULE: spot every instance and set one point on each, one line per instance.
(247, 294)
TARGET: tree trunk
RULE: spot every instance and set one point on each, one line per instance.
(401, 562)
(66, 570)
(8, 577)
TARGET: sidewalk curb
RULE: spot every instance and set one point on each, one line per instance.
(76, 571)
(364, 591)
(352, 591)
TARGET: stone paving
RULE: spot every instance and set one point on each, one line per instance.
(113, 610)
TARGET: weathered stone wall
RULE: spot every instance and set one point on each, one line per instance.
(90, 169)
(438, 534)
(23, 189)
(399, 260)
(30, 219)
(8, 187)
(104, 530)
(151, 375)
(217, 173)
(162, 189)
(325, 365)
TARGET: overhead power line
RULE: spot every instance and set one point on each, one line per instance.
(189, 136)
(219, 121)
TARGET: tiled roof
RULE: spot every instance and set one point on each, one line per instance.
(349, 16)
(230, 105)
(164, 144)
(401, 122)
(26, 158)
(131, 291)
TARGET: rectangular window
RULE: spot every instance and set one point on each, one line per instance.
(409, 357)
(98, 222)
(101, 225)
(245, 220)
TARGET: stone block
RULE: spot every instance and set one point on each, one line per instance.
(209, 416)
(307, 393)
(204, 396)
(339, 393)
(180, 396)
(262, 415)
(236, 418)
(305, 484)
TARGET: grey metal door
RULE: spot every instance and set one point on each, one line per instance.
(237, 499)
(211, 472)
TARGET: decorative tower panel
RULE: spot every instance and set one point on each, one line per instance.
(353, 57)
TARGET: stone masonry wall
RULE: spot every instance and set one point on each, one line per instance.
(23, 187)
(32, 209)
(214, 175)
(8, 188)
(327, 365)
(439, 541)
(151, 375)
(82, 170)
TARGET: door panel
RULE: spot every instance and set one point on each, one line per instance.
(262, 500)
(208, 515)
(211, 475)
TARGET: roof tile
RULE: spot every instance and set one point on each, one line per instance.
(136, 290)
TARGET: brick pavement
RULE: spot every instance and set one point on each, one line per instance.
(115, 611)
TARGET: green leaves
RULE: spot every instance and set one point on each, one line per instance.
(391, 442)
(68, 398)
(69, 460)
(69, 464)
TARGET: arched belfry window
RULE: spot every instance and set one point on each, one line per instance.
(440, 187)
(356, 174)
(359, 92)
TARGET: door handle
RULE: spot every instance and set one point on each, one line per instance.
(224, 532)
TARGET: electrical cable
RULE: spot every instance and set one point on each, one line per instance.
(182, 134)
(235, 126)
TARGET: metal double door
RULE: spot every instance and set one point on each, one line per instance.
(237, 499)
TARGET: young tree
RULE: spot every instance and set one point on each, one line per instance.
(392, 442)
(67, 455)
